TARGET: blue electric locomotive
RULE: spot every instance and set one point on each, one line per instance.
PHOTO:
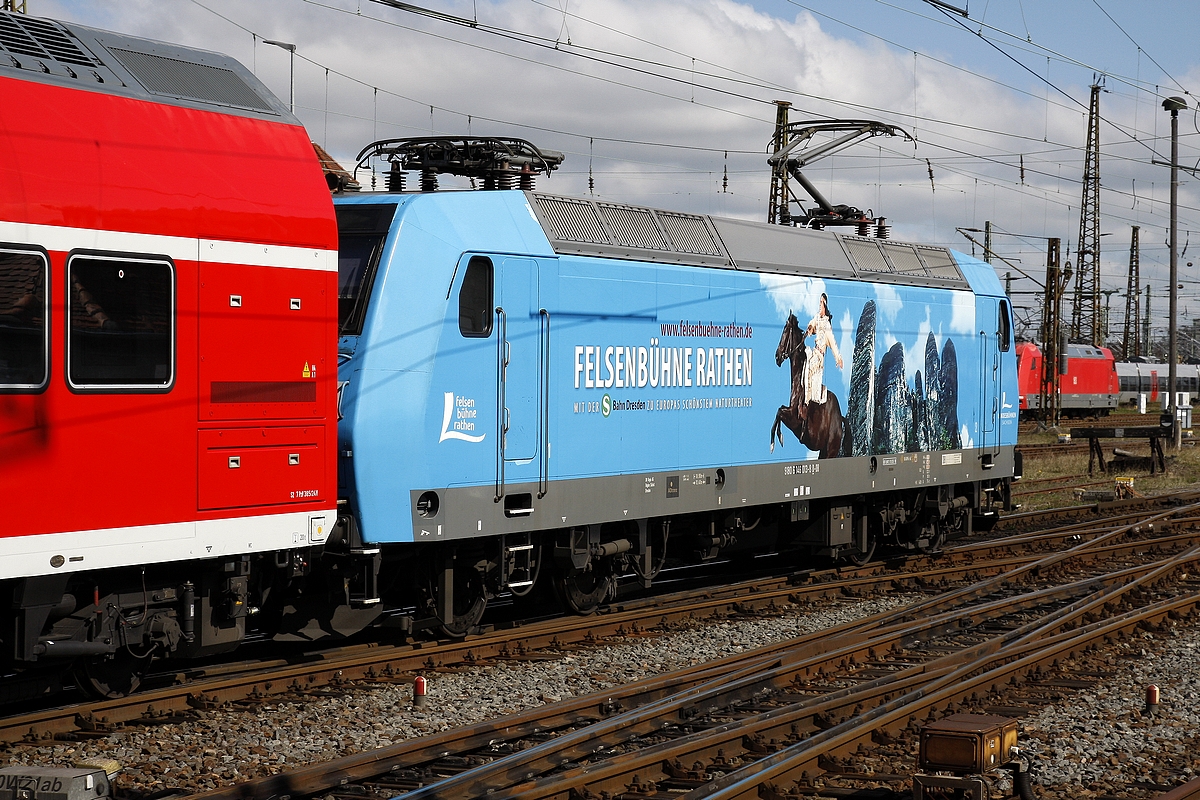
(545, 389)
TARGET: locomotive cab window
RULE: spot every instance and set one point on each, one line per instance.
(475, 299)
(24, 309)
(121, 323)
(362, 231)
(1003, 328)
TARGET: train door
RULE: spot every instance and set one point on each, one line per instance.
(520, 366)
(1153, 386)
(994, 338)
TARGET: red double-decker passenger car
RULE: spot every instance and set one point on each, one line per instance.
(167, 353)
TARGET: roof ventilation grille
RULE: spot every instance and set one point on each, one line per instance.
(188, 80)
(40, 39)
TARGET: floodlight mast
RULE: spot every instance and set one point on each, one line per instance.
(1174, 105)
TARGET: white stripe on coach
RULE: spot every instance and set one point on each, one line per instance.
(57, 238)
(32, 554)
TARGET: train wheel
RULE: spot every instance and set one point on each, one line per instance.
(583, 592)
(110, 677)
(470, 601)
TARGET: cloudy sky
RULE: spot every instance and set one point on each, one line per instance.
(669, 102)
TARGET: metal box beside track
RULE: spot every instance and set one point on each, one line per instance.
(968, 743)
(53, 783)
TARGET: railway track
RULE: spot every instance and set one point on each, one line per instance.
(1024, 519)
(985, 591)
(764, 723)
(215, 686)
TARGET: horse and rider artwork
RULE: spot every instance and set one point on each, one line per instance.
(884, 412)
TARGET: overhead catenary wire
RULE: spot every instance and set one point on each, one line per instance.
(1141, 50)
(834, 101)
(1029, 46)
(996, 158)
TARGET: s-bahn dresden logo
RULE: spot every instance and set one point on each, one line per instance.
(459, 416)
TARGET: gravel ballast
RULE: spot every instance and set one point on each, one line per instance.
(227, 746)
(1101, 741)
(1096, 743)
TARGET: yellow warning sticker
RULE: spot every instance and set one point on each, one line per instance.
(308, 373)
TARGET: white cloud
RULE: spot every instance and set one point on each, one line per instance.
(914, 355)
(962, 312)
(888, 300)
(846, 340)
(791, 294)
(1026, 177)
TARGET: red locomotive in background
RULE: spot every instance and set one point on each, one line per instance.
(168, 289)
(1089, 387)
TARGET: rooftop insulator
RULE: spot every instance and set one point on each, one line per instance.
(882, 229)
(429, 180)
(864, 227)
(527, 178)
(395, 178)
(489, 182)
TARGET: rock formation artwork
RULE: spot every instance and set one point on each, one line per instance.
(885, 413)
(861, 403)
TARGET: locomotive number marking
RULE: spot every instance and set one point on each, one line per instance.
(300, 494)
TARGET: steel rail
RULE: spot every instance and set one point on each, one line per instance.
(789, 763)
(497, 778)
(809, 653)
(1187, 791)
(400, 663)
(361, 767)
(730, 737)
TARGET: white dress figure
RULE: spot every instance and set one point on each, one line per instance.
(814, 366)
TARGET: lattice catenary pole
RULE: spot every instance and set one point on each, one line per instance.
(1085, 315)
(1131, 341)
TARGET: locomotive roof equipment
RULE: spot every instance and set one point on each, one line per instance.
(798, 136)
(501, 162)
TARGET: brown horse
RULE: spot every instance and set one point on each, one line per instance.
(823, 428)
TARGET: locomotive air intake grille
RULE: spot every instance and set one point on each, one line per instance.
(939, 262)
(904, 258)
(190, 81)
(689, 234)
(633, 227)
(866, 254)
(264, 391)
(40, 39)
(572, 220)
(616, 230)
